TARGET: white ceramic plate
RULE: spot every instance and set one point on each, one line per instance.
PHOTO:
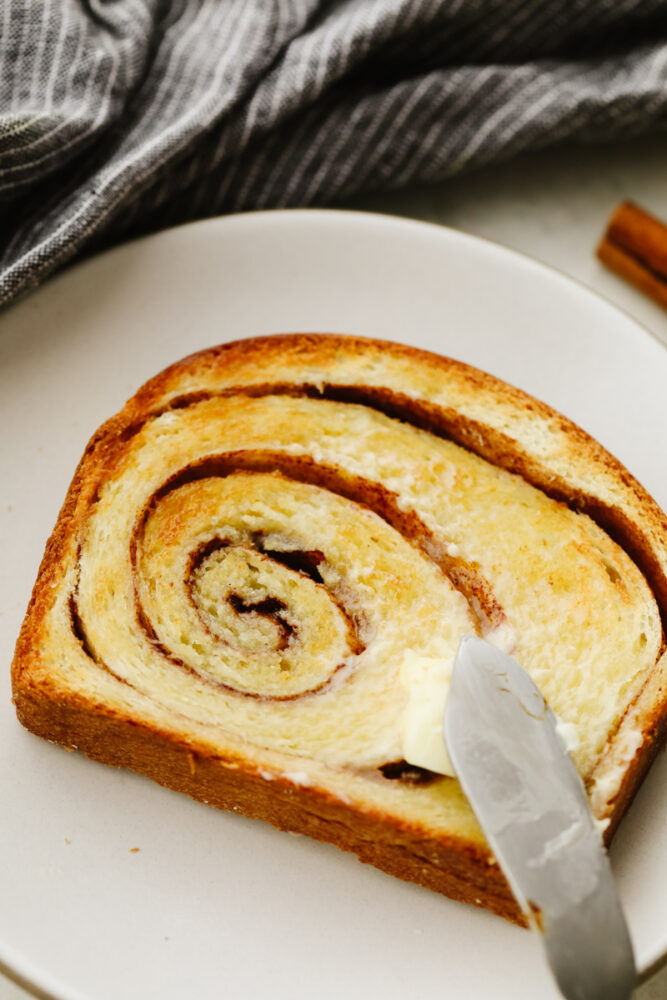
(213, 904)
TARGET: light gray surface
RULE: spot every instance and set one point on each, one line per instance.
(552, 207)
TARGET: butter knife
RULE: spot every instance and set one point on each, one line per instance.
(503, 743)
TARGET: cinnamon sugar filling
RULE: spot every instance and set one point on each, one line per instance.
(269, 615)
(447, 423)
(464, 576)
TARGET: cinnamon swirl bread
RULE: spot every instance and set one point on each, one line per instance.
(254, 548)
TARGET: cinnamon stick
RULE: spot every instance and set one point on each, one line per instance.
(635, 247)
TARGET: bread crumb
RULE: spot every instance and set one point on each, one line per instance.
(133, 850)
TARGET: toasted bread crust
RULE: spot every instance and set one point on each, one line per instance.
(455, 868)
(447, 399)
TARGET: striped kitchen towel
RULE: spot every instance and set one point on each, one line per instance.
(118, 117)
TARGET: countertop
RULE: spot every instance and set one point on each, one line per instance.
(553, 206)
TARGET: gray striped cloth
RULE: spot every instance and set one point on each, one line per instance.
(120, 117)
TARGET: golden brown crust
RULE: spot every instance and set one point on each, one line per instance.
(457, 868)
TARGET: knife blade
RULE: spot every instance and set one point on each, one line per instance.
(530, 802)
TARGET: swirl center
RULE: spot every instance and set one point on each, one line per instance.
(251, 610)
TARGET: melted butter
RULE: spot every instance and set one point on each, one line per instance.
(427, 680)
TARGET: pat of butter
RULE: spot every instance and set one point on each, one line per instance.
(426, 680)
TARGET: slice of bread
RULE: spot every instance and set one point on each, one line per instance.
(254, 547)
